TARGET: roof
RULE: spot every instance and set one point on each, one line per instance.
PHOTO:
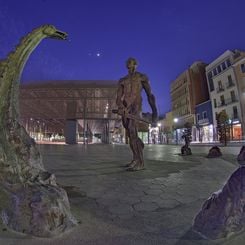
(69, 83)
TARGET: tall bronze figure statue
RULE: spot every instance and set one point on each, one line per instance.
(129, 102)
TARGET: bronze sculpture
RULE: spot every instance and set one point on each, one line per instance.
(186, 150)
(31, 201)
(129, 102)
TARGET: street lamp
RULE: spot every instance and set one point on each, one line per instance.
(176, 121)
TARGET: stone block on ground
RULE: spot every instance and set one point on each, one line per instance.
(214, 152)
(223, 213)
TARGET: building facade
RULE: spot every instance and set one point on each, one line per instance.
(239, 66)
(188, 90)
(69, 111)
(204, 122)
(167, 128)
(224, 90)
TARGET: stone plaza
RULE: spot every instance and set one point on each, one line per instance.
(153, 206)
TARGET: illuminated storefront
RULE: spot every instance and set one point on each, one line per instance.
(204, 122)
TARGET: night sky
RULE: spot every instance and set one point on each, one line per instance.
(164, 36)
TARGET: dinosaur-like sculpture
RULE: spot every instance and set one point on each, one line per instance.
(31, 201)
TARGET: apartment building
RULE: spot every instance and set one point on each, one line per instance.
(239, 66)
(224, 91)
(204, 122)
(188, 90)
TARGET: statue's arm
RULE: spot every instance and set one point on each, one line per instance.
(120, 93)
(151, 98)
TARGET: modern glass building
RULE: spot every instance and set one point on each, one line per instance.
(70, 111)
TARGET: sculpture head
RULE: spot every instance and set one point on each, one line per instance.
(131, 64)
(51, 32)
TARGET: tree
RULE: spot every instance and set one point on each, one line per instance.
(223, 126)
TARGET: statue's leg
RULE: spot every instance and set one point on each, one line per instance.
(125, 122)
(137, 146)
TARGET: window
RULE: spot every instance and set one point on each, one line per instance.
(223, 66)
(220, 85)
(211, 85)
(210, 74)
(243, 68)
(228, 62)
(230, 82)
(97, 93)
(222, 100)
(233, 96)
(198, 117)
(204, 114)
(235, 113)
(210, 82)
(215, 103)
(219, 69)
(214, 71)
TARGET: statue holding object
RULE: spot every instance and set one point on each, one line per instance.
(129, 102)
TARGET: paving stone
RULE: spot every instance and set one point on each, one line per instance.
(107, 202)
(154, 192)
(145, 206)
(167, 203)
(121, 209)
(129, 200)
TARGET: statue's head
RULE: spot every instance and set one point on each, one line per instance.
(131, 64)
(51, 32)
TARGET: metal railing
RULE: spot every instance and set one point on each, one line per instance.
(220, 89)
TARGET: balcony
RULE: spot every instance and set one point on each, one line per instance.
(222, 103)
(230, 84)
(227, 102)
(231, 100)
(220, 89)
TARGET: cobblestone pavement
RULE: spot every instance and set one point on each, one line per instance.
(153, 206)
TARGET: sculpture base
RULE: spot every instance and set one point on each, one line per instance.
(224, 212)
(214, 152)
(185, 150)
(36, 209)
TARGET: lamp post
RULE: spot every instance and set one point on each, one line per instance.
(176, 133)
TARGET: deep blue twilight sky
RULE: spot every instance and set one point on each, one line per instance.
(166, 36)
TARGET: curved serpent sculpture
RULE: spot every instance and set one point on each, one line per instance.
(31, 201)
